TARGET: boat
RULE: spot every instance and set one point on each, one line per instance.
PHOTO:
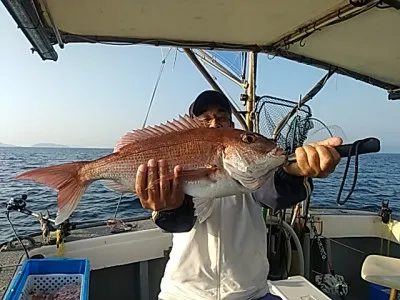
(315, 253)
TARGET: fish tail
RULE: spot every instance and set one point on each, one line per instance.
(67, 180)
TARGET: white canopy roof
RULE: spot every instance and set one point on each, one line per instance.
(358, 37)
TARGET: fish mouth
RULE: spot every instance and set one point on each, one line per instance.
(278, 151)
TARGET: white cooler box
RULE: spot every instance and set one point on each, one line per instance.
(296, 288)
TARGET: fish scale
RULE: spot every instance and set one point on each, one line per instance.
(190, 155)
(122, 166)
(215, 162)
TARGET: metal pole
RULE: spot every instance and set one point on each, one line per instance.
(251, 91)
(208, 59)
(314, 91)
(212, 82)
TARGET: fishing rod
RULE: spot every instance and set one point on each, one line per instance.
(364, 146)
(19, 204)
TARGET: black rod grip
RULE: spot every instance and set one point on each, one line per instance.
(368, 145)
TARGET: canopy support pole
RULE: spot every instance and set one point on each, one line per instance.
(214, 85)
(251, 91)
(313, 92)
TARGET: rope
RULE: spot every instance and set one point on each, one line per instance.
(156, 86)
(389, 236)
(16, 235)
(389, 227)
(60, 243)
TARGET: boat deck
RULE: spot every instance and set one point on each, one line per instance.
(348, 237)
(12, 257)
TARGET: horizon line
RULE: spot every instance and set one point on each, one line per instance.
(59, 146)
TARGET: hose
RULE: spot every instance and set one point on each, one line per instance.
(272, 220)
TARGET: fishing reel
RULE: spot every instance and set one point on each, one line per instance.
(332, 284)
(386, 212)
(17, 204)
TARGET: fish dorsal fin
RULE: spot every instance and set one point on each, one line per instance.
(183, 123)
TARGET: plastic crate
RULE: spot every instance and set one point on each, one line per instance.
(50, 275)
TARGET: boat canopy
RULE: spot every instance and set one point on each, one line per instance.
(357, 38)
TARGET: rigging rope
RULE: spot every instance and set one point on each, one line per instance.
(114, 222)
(16, 235)
(354, 148)
(222, 89)
(156, 86)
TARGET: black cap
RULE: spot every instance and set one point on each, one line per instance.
(207, 98)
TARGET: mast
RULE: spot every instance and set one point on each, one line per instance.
(247, 117)
(250, 97)
(215, 86)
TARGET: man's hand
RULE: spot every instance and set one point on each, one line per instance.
(154, 190)
(316, 159)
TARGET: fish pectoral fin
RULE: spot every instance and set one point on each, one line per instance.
(251, 183)
(191, 175)
(203, 208)
(198, 174)
(115, 186)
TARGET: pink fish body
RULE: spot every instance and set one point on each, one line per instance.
(216, 162)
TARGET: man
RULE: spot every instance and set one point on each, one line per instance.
(225, 257)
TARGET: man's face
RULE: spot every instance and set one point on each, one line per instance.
(215, 117)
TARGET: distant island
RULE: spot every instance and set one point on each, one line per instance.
(49, 145)
(6, 145)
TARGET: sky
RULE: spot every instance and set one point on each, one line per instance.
(95, 93)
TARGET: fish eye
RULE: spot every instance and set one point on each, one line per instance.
(248, 138)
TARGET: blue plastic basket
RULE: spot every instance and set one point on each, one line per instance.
(49, 275)
(378, 292)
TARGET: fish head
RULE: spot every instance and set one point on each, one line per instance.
(250, 158)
